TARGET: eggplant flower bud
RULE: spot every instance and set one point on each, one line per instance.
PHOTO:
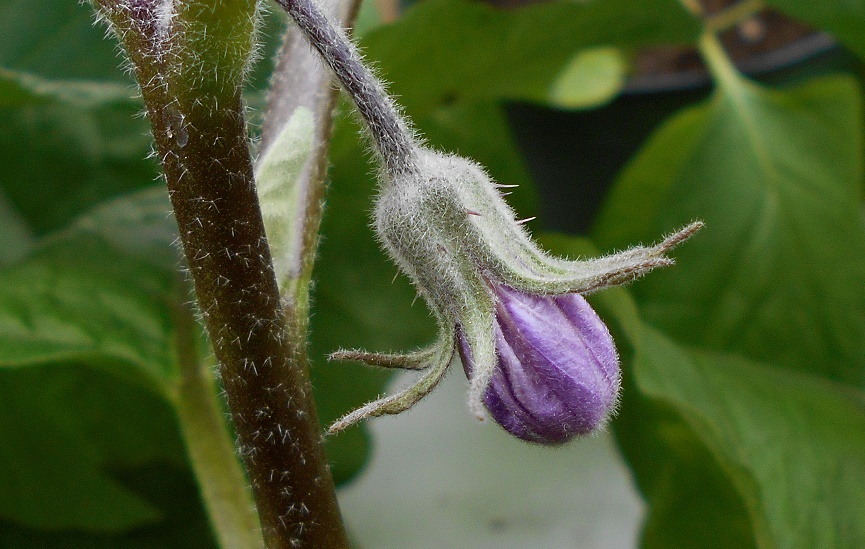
(557, 371)
(538, 358)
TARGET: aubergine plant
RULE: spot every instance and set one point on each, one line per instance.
(156, 399)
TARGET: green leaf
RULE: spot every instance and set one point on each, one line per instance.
(777, 273)
(99, 351)
(56, 40)
(793, 445)
(64, 149)
(592, 77)
(71, 136)
(843, 18)
(77, 298)
(81, 299)
(462, 49)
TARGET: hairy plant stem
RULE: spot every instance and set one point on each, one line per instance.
(202, 143)
(223, 485)
(268, 389)
(391, 135)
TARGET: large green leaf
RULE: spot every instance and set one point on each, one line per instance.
(67, 146)
(777, 273)
(88, 368)
(56, 39)
(792, 445)
(461, 49)
(79, 298)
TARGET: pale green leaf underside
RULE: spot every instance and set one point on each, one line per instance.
(278, 179)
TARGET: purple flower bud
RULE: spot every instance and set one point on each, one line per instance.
(557, 372)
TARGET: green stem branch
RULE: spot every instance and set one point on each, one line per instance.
(224, 488)
(733, 15)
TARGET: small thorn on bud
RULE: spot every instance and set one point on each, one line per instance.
(526, 220)
(395, 276)
(472, 212)
(503, 186)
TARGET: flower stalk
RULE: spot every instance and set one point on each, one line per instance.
(446, 225)
(392, 136)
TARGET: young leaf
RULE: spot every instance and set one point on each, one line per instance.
(277, 178)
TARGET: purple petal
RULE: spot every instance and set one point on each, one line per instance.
(557, 374)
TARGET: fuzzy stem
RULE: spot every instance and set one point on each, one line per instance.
(224, 488)
(393, 137)
(201, 139)
(269, 394)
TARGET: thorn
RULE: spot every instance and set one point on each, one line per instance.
(506, 194)
(472, 212)
(526, 220)
(503, 186)
(415, 299)
(395, 276)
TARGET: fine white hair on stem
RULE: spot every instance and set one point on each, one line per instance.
(392, 135)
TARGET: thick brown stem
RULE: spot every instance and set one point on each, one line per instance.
(201, 139)
(208, 168)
